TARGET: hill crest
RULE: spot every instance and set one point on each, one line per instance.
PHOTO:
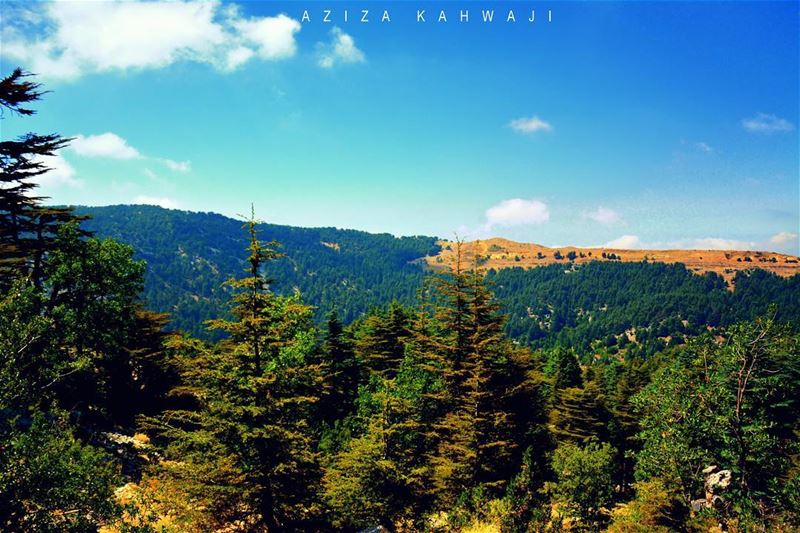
(499, 253)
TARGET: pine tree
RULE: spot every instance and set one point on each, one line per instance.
(490, 381)
(476, 435)
(66, 319)
(379, 476)
(563, 366)
(579, 414)
(381, 340)
(247, 450)
(624, 423)
(342, 372)
(27, 229)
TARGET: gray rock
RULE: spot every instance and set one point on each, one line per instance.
(698, 505)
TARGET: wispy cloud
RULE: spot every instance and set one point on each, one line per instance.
(517, 212)
(60, 173)
(178, 166)
(161, 201)
(784, 238)
(767, 123)
(625, 242)
(341, 49)
(703, 147)
(603, 215)
(112, 146)
(529, 125)
(70, 39)
(716, 243)
(703, 243)
(108, 145)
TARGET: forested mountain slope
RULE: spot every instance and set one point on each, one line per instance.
(190, 255)
(613, 307)
(641, 306)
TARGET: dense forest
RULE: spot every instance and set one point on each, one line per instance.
(607, 306)
(190, 255)
(417, 415)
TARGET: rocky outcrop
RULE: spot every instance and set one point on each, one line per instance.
(716, 482)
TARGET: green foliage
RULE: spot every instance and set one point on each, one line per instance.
(656, 508)
(77, 340)
(190, 255)
(579, 414)
(547, 307)
(380, 339)
(732, 405)
(64, 338)
(378, 477)
(479, 369)
(584, 480)
(76, 350)
(49, 480)
(245, 447)
(562, 365)
(343, 370)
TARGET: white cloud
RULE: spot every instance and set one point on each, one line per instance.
(717, 243)
(603, 215)
(341, 49)
(272, 37)
(529, 125)
(783, 238)
(624, 242)
(703, 147)
(70, 39)
(111, 145)
(238, 56)
(517, 212)
(766, 123)
(178, 166)
(61, 173)
(108, 145)
(161, 201)
(705, 243)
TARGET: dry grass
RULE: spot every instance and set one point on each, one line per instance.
(500, 253)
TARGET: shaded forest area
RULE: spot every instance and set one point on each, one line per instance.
(417, 416)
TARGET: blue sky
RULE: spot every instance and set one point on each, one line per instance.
(642, 124)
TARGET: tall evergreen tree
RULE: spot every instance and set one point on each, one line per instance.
(342, 372)
(476, 445)
(247, 448)
(579, 414)
(564, 368)
(380, 340)
(27, 229)
(71, 335)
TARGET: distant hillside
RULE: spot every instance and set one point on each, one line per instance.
(189, 256)
(581, 302)
(610, 307)
(499, 253)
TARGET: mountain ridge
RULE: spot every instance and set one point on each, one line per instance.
(498, 253)
(190, 255)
